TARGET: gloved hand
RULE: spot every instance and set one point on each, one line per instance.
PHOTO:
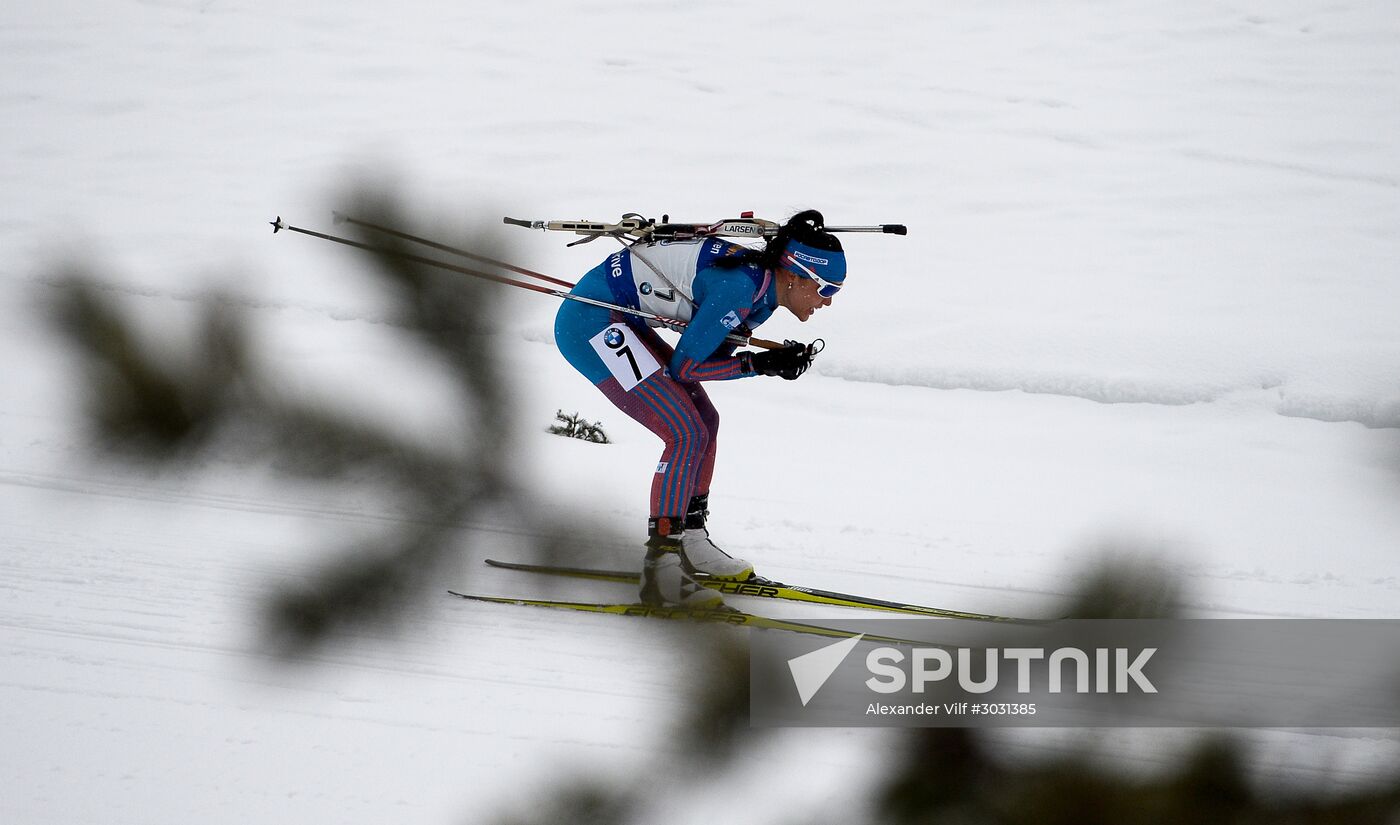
(788, 361)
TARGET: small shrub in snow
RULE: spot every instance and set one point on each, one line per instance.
(575, 426)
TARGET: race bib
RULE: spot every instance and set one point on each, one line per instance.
(629, 361)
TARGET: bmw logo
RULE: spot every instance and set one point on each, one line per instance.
(645, 288)
(613, 338)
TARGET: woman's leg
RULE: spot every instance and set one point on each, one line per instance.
(664, 407)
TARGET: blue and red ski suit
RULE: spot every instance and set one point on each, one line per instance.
(689, 281)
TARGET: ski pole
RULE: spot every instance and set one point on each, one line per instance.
(341, 217)
(279, 224)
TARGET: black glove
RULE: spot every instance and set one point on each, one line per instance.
(788, 361)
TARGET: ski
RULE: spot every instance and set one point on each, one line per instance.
(721, 615)
(769, 589)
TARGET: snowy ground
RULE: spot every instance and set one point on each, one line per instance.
(1148, 302)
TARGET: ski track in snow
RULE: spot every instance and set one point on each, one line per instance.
(1104, 390)
(887, 572)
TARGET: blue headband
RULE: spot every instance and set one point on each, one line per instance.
(825, 266)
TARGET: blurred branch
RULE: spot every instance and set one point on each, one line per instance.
(1119, 588)
(141, 406)
(172, 404)
(369, 584)
(583, 802)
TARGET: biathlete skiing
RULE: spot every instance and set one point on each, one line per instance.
(681, 276)
(718, 290)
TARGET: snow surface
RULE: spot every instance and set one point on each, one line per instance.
(1148, 304)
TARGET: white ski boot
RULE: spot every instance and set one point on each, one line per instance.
(702, 556)
(665, 581)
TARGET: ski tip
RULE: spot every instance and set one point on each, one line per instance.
(476, 597)
(515, 565)
(488, 599)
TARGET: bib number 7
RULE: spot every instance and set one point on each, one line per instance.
(629, 361)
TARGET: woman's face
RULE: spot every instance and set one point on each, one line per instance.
(799, 295)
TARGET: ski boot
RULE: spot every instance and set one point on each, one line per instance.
(700, 555)
(665, 581)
